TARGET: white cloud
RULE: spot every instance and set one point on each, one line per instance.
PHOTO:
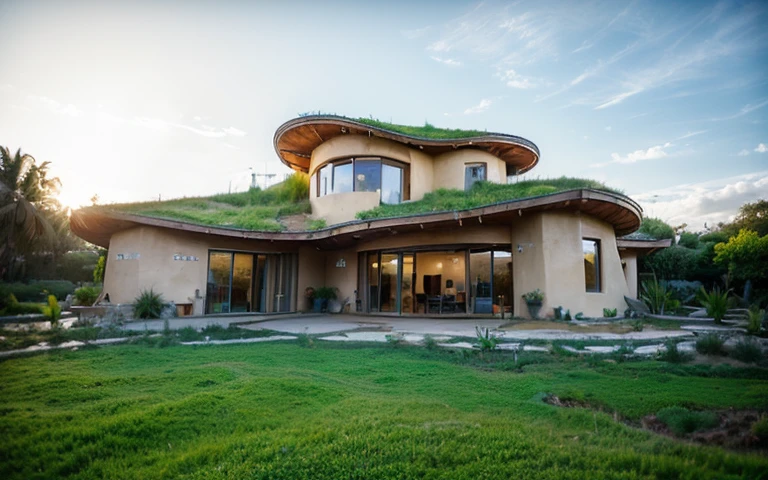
(712, 202)
(447, 61)
(761, 148)
(748, 108)
(692, 134)
(439, 46)
(197, 118)
(234, 132)
(58, 107)
(743, 153)
(651, 153)
(515, 80)
(480, 107)
(616, 99)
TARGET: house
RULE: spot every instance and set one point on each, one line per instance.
(380, 247)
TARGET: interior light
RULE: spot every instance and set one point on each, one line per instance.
(439, 264)
(393, 261)
(375, 265)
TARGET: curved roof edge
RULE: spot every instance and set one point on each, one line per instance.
(97, 226)
(296, 139)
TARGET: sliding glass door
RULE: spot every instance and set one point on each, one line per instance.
(249, 282)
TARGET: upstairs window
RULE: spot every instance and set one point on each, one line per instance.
(342, 177)
(474, 172)
(591, 250)
(386, 177)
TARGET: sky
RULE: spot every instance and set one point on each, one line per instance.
(138, 100)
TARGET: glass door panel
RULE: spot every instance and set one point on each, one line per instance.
(260, 284)
(242, 282)
(219, 280)
(388, 283)
(408, 284)
(480, 275)
(373, 282)
(502, 279)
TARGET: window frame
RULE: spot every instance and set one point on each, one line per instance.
(598, 267)
(467, 166)
(332, 164)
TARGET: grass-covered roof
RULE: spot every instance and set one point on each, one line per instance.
(267, 210)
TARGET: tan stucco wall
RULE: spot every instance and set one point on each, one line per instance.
(311, 274)
(342, 207)
(552, 260)
(449, 168)
(155, 267)
(629, 258)
(528, 264)
(343, 278)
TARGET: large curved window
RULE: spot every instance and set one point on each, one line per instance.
(387, 177)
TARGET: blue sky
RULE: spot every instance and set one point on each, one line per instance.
(131, 100)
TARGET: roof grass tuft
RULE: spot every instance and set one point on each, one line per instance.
(255, 209)
(482, 194)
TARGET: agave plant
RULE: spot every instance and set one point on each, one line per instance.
(148, 304)
(715, 301)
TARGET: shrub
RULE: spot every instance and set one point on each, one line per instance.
(747, 351)
(53, 310)
(760, 428)
(610, 312)
(13, 307)
(683, 421)
(710, 344)
(148, 304)
(430, 342)
(87, 295)
(716, 303)
(188, 334)
(657, 228)
(638, 325)
(755, 319)
(486, 340)
(98, 271)
(683, 290)
(672, 354)
(39, 291)
(535, 296)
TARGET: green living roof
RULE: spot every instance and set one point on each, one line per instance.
(267, 210)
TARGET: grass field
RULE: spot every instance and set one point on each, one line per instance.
(354, 411)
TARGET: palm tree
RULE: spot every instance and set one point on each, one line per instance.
(26, 194)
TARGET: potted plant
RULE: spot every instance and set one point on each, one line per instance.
(534, 300)
(322, 295)
(309, 294)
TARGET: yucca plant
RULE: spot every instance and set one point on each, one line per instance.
(485, 339)
(148, 304)
(715, 301)
(656, 296)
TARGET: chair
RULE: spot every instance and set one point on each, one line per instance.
(421, 299)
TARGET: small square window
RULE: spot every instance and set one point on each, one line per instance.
(473, 172)
(591, 250)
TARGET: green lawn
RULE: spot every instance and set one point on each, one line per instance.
(353, 411)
